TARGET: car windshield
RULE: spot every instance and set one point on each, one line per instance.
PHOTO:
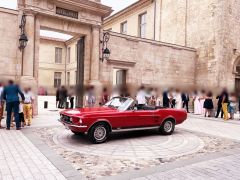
(120, 103)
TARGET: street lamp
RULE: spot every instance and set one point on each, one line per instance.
(105, 51)
(23, 38)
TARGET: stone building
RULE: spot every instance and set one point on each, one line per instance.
(209, 26)
(57, 63)
(160, 42)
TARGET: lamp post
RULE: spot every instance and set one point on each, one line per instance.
(105, 51)
(23, 38)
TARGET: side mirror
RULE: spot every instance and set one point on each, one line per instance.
(135, 109)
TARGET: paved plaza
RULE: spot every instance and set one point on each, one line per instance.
(201, 148)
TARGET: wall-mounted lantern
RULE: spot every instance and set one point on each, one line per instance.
(105, 51)
(23, 40)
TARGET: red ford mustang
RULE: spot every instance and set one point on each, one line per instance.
(120, 114)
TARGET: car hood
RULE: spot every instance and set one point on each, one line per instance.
(87, 111)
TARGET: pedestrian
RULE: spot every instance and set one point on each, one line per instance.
(71, 97)
(232, 105)
(219, 106)
(208, 104)
(57, 98)
(202, 100)
(141, 98)
(27, 106)
(63, 93)
(166, 100)
(178, 99)
(21, 114)
(185, 100)
(105, 96)
(90, 98)
(1, 103)
(10, 94)
(225, 101)
(197, 104)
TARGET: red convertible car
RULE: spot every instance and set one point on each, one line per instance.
(120, 114)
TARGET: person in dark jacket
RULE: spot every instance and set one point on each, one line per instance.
(219, 106)
(166, 100)
(10, 95)
(185, 100)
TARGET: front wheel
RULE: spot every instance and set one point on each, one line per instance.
(167, 127)
(98, 133)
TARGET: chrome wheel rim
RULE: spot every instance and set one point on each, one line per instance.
(100, 133)
(168, 126)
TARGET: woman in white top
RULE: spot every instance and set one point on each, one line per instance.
(178, 98)
(197, 104)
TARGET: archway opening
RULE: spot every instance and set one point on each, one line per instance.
(237, 75)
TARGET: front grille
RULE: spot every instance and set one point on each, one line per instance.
(66, 119)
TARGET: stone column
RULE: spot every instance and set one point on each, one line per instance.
(29, 71)
(28, 56)
(95, 52)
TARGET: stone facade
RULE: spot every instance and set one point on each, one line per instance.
(48, 66)
(209, 26)
(149, 62)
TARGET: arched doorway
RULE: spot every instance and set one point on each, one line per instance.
(237, 74)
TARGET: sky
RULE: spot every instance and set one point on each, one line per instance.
(117, 5)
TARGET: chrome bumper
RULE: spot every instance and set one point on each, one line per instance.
(72, 125)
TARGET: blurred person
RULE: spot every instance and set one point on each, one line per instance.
(27, 106)
(185, 100)
(196, 104)
(208, 104)
(225, 101)
(202, 100)
(57, 98)
(10, 94)
(105, 96)
(219, 106)
(90, 99)
(71, 98)
(1, 103)
(172, 98)
(21, 114)
(141, 98)
(178, 99)
(232, 105)
(166, 100)
(33, 99)
(152, 97)
(63, 93)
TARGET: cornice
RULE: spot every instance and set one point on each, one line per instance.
(128, 10)
(95, 7)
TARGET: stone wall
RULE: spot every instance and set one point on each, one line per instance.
(149, 62)
(9, 44)
(230, 42)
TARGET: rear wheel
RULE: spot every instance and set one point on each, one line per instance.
(78, 133)
(98, 133)
(167, 127)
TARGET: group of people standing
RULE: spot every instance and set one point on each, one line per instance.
(227, 104)
(62, 95)
(18, 103)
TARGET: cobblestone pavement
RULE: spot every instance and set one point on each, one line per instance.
(147, 145)
(226, 168)
(20, 159)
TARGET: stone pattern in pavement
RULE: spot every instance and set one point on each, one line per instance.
(96, 166)
(21, 160)
(226, 168)
(146, 146)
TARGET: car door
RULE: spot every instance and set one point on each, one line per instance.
(139, 118)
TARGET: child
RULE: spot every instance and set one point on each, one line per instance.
(21, 115)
